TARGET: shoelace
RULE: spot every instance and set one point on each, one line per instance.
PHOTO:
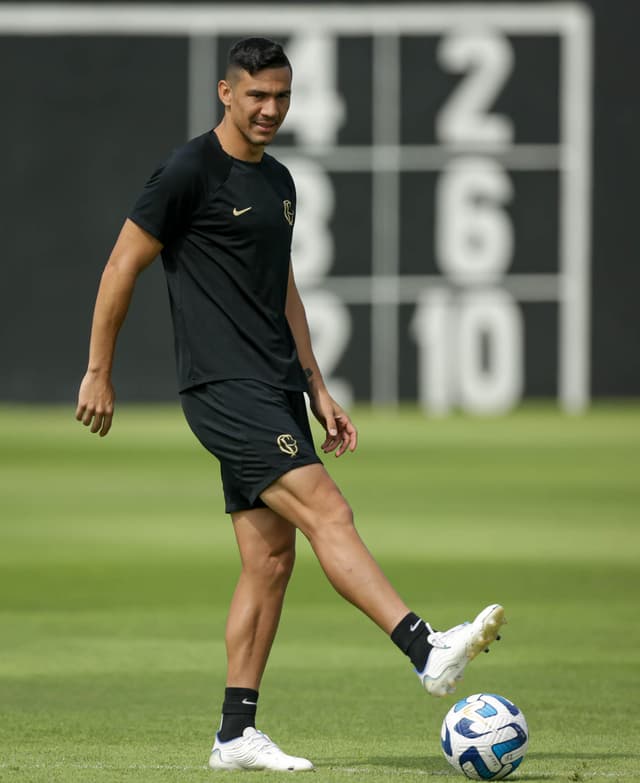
(261, 742)
(439, 638)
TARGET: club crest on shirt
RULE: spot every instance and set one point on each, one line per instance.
(288, 212)
(287, 444)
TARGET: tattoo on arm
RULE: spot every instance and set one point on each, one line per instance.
(308, 372)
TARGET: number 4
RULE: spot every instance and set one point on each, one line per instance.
(317, 109)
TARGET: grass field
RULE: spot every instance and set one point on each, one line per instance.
(117, 564)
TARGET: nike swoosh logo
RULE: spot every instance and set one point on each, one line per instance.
(238, 212)
(414, 626)
(246, 701)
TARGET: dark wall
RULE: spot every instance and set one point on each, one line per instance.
(82, 107)
(85, 120)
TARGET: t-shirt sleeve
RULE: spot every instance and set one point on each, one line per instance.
(294, 196)
(292, 187)
(170, 198)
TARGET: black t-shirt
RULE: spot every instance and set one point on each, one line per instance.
(226, 226)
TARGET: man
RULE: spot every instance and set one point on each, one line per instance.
(220, 211)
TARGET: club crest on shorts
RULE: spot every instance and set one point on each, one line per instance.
(288, 212)
(287, 444)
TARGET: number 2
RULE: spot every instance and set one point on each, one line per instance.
(487, 59)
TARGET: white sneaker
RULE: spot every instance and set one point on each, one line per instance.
(254, 750)
(453, 649)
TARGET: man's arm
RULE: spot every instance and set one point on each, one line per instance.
(134, 250)
(341, 433)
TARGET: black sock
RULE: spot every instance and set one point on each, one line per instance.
(238, 712)
(410, 635)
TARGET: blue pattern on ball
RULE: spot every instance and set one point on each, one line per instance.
(446, 741)
(508, 704)
(463, 727)
(515, 764)
(487, 710)
(502, 748)
(473, 757)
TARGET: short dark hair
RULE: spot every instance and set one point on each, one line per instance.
(256, 54)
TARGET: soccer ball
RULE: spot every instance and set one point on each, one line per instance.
(484, 736)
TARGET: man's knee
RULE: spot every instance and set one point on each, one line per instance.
(273, 569)
(333, 518)
(281, 565)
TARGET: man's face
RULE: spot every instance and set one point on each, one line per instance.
(258, 104)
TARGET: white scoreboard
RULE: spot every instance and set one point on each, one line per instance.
(442, 157)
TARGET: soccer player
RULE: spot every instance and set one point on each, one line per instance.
(220, 211)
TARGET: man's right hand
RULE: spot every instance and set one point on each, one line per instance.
(96, 401)
(134, 250)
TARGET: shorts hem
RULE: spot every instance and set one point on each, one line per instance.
(187, 385)
(274, 475)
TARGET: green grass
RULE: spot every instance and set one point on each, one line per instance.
(117, 565)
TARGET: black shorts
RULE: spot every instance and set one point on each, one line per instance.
(256, 431)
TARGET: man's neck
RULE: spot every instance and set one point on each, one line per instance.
(234, 144)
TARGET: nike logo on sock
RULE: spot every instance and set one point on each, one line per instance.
(414, 626)
(252, 703)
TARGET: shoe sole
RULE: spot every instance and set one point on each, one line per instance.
(484, 636)
(218, 765)
(488, 631)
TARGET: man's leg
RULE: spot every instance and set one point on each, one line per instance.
(267, 552)
(309, 499)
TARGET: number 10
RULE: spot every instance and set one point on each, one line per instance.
(469, 350)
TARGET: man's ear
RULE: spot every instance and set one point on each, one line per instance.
(224, 92)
